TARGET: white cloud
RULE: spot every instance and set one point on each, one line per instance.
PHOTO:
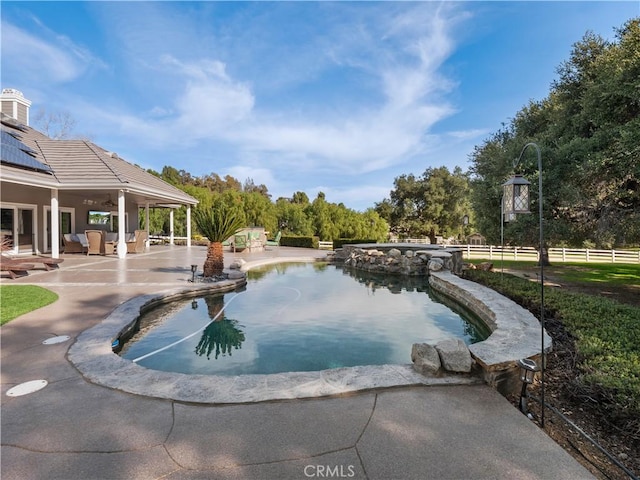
(211, 101)
(374, 95)
(260, 176)
(36, 58)
(403, 61)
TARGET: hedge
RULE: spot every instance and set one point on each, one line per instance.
(301, 242)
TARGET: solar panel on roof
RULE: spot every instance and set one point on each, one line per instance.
(14, 152)
(11, 139)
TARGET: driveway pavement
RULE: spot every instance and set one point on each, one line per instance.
(72, 429)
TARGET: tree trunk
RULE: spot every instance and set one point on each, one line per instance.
(544, 258)
(214, 264)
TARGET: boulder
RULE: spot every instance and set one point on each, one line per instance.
(237, 264)
(235, 274)
(425, 359)
(454, 355)
(394, 253)
(409, 254)
(435, 264)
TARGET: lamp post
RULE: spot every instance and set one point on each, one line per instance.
(515, 200)
(465, 224)
(502, 239)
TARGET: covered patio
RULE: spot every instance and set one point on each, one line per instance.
(54, 187)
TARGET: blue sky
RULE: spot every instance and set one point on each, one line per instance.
(338, 97)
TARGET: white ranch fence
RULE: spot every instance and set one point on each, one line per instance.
(496, 252)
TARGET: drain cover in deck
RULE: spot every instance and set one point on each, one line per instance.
(54, 340)
(26, 388)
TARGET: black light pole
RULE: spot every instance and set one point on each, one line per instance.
(515, 201)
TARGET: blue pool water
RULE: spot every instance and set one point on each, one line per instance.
(296, 317)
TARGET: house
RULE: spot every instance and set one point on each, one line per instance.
(51, 187)
(476, 239)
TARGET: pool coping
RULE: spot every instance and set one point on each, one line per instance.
(93, 356)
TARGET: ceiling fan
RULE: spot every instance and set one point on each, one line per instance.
(109, 203)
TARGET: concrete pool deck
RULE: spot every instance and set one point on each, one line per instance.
(75, 429)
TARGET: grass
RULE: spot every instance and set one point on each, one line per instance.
(610, 273)
(16, 300)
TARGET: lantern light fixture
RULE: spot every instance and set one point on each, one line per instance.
(515, 197)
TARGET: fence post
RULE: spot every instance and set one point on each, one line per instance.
(587, 252)
(564, 254)
(613, 256)
(515, 253)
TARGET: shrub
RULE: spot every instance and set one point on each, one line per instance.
(300, 242)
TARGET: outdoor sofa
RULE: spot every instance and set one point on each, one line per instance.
(74, 243)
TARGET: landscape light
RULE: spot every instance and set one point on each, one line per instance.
(528, 369)
(194, 269)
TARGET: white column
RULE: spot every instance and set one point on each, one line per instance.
(55, 224)
(188, 225)
(147, 243)
(122, 246)
(171, 242)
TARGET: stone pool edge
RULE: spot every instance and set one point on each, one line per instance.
(92, 355)
(515, 331)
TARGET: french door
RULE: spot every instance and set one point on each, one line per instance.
(18, 228)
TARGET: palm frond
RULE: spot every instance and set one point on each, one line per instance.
(216, 224)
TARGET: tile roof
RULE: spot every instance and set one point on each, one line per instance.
(81, 164)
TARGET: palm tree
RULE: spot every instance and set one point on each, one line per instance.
(217, 225)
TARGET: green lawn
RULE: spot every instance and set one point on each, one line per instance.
(610, 273)
(16, 300)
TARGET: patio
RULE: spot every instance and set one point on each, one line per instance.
(75, 429)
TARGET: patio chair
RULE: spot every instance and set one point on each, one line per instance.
(97, 245)
(137, 245)
(275, 242)
(15, 269)
(239, 242)
(95, 242)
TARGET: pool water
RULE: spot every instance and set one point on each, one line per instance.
(297, 317)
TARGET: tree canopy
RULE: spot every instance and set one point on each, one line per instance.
(588, 130)
(252, 204)
(430, 205)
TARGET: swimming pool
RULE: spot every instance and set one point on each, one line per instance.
(297, 317)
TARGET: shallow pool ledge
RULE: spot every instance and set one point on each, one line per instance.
(516, 333)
